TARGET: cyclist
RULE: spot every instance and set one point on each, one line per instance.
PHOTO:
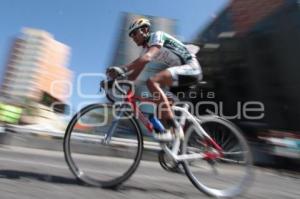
(161, 47)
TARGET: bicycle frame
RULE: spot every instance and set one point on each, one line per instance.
(131, 99)
(195, 144)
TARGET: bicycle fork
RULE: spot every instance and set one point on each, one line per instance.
(108, 135)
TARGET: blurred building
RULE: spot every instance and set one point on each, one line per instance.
(250, 53)
(36, 72)
(127, 51)
(36, 62)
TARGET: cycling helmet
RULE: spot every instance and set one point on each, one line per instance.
(137, 24)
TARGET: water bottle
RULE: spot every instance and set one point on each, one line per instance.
(157, 125)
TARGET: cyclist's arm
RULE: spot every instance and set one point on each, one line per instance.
(138, 65)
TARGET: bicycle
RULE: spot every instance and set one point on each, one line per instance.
(111, 134)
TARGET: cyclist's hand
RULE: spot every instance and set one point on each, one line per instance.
(115, 71)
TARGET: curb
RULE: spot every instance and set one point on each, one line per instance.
(30, 138)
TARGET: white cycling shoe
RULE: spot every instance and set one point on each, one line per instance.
(166, 136)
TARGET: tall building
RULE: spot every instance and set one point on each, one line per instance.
(36, 67)
(254, 56)
(37, 77)
(250, 54)
(127, 51)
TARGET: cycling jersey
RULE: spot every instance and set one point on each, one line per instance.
(183, 65)
(172, 51)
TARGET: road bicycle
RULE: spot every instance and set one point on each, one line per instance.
(104, 144)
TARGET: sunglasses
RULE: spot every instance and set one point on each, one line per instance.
(134, 33)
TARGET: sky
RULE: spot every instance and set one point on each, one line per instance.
(90, 28)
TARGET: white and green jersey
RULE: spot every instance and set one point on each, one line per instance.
(172, 51)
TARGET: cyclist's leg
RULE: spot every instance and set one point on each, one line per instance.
(186, 75)
(155, 85)
(173, 76)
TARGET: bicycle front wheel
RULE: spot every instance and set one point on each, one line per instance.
(97, 163)
(225, 176)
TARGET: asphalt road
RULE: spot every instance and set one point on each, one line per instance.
(35, 173)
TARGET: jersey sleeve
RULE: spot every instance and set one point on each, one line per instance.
(156, 39)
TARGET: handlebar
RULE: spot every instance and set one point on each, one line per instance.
(115, 83)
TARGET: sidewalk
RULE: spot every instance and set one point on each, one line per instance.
(53, 140)
(16, 135)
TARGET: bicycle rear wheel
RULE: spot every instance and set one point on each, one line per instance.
(96, 163)
(226, 176)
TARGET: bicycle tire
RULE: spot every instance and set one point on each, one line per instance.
(200, 182)
(79, 173)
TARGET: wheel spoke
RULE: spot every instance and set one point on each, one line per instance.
(221, 176)
(95, 162)
(235, 153)
(232, 161)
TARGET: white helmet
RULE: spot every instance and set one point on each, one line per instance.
(137, 24)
